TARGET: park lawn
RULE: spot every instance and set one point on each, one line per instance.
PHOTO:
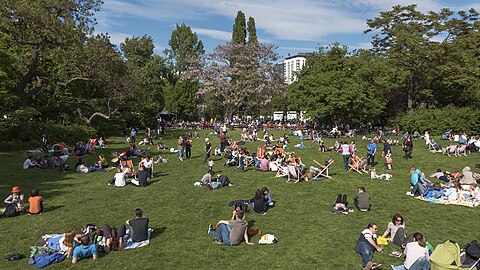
(310, 236)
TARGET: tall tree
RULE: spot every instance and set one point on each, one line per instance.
(252, 31)
(335, 86)
(404, 37)
(246, 85)
(184, 45)
(137, 50)
(239, 34)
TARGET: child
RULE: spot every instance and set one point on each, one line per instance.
(210, 165)
(384, 176)
(362, 200)
(388, 161)
(217, 151)
(36, 203)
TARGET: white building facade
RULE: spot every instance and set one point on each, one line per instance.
(291, 65)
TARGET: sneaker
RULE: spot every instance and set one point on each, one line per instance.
(217, 242)
(409, 193)
(376, 266)
(210, 228)
(368, 266)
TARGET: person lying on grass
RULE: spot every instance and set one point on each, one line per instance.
(85, 250)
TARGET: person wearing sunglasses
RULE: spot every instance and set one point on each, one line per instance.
(366, 246)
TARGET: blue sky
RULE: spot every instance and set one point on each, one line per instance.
(294, 26)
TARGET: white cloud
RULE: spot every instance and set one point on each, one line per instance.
(305, 20)
(215, 34)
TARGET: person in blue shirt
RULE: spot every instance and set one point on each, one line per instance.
(85, 250)
(372, 150)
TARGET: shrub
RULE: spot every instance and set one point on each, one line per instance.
(437, 121)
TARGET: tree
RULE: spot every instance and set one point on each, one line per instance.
(336, 87)
(137, 50)
(239, 34)
(184, 45)
(149, 75)
(245, 85)
(252, 31)
(405, 40)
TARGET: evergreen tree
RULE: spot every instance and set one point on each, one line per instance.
(239, 34)
(252, 31)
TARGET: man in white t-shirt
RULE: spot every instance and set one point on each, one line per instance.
(366, 246)
(120, 179)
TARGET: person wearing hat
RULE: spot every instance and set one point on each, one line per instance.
(16, 198)
(208, 149)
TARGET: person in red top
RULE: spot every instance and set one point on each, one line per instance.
(223, 141)
(36, 203)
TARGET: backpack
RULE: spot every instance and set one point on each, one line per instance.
(472, 250)
(10, 210)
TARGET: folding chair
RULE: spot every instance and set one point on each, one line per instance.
(281, 172)
(293, 174)
(260, 152)
(355, 165)
(462, 151)
(131, 168)
(451, 150)
(324, 169)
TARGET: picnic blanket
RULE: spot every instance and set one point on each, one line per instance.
(129, 244)
(53, 240)
(441, 201)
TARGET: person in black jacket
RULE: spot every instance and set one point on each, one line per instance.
(259, 203)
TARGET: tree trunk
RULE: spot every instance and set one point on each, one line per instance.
(27, 78)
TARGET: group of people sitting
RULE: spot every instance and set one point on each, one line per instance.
(458, 188)
(47, 162)
(361, 202)
(414, 246)
(85, 244)
(232, 232)
(15, 205)
(126, 170)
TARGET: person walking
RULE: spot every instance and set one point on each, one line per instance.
(372, 150)
(208, 149)
(408, 147)
(181, 145)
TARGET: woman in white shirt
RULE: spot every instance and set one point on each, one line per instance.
(416, 255)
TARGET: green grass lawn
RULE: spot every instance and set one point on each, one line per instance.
(310, 236)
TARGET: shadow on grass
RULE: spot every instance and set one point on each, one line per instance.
(157, 231)
(53, 208)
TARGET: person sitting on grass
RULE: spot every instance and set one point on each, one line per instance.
(259, 203)
(138, 226)
(366, 246)
(85, 250)
(396, 229)
(69, 241)
(231, 232)
(113, 238)
(268, 197)
(16, 199)
(416, 254)
(362, 200)
(35, 203)
(142, 176)
(120, 179)
(29, 163)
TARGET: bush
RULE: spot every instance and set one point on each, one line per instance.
(437, 121)
(29, 136)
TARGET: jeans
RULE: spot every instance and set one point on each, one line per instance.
(418, 189)
(365, 250)
(371, 160)
(345, 161)
(421, 263)
(223, 234)
(180, 153)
